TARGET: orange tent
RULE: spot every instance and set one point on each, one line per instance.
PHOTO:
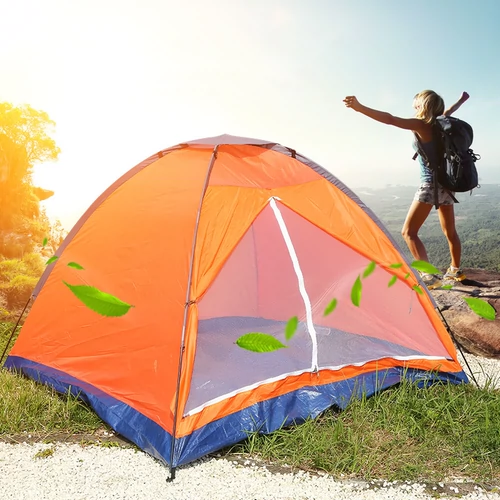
(210, 240)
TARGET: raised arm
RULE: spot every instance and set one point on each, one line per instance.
(455, 106)
(381, 116)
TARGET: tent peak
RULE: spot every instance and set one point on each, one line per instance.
(227, 139)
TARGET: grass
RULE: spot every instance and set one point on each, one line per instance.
(29, 407)
(403, 433)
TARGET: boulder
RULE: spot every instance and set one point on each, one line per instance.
(475, 334)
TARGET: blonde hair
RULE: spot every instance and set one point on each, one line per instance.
(430, 105)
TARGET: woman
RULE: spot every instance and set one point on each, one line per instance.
(428, 106)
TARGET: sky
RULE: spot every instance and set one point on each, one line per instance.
(123, 79)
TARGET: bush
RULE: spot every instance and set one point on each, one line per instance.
(18, 290)
(18, 278)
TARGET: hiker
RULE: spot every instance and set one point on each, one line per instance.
(428, 105)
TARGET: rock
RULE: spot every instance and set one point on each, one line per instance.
(476, 335)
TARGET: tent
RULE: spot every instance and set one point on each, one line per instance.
(209, 240)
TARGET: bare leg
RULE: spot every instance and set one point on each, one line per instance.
(447, 220)
(416, 217)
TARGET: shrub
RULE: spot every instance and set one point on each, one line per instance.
(18, 278)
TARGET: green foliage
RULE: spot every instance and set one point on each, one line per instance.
(259, 342)
(356, 291)
(23, 143)
(481, 308)
(426, 267)
(100, 302)
(75, 265)
(369, 269)
(18, 277)
(291, 327)
(18, 290)
(330, 307)
(25, 129)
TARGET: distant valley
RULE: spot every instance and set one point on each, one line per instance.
(478, 223)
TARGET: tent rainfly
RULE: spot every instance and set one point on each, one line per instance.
(210, 240)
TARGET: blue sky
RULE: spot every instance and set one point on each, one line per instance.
(124, 79)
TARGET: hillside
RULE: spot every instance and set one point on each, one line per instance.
(478, 223)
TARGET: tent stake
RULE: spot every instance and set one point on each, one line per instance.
(172, 475)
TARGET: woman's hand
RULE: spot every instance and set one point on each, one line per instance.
(351, 102)
(464, 97)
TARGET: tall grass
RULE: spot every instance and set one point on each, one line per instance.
(36, 409)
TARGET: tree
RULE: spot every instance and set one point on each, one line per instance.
(24, 141)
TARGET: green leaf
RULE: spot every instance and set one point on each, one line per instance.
(393, 280)
(397, 265)
(356, 292)
(425, 267)
(418, 289)
(291, 327)
(369, 269)
(446, 287)
(45, 241)
(330, 307)
(75, 265)
(407, 276)
(259, 342)
(481, 308)
(100, 302)
(52, 259)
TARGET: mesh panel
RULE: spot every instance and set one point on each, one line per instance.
(256, 291)
(389, 322)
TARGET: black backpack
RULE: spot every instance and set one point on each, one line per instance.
(456, 171)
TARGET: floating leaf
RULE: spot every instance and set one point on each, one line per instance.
(425, 267)
(446, 287)
(356, 292)
(52, 259)
(369, 269)
(259, 342)
(291, 327)
(481, 308)
(393, 280)
(75, 265)
(397, 265)
(100, 302)
(330, 307)
(45, 241)
(407, 276)
(418, 289)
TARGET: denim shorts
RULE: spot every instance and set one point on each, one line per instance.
(425, 194)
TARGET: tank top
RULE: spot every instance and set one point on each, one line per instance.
(430, 151)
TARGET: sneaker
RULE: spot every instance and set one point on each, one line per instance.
(431, 281)
(457, 274)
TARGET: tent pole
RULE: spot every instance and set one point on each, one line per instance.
(186, 306)
(14, 330)
(459, 346)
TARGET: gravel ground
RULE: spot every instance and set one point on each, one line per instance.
(69, 471)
